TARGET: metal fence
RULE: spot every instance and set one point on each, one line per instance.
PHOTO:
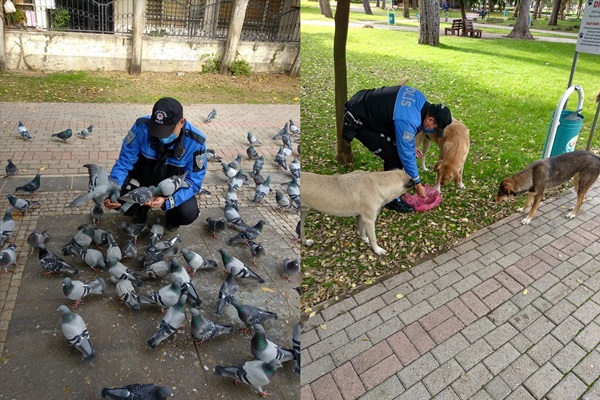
(265, 20)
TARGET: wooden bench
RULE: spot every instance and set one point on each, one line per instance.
(470, 31)
(456, 27)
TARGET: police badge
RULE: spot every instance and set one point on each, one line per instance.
(129, 138)
(199, 161)
(408, 136)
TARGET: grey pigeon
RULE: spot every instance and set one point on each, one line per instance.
(156, 232)
(235, 267)
(77, 290)
(23, 131)
(11, 169)
(231, 195)
(86, 132)
(258, 165)
(168, 186)
(262, 190)
(96, 213)
(252, 153)
(296, 335)
(100, 187)
(130, 250)
(211, 115)
(92, 257)
(8, 257)
(293, 190)
(248, 234)
(254, 373)
(31, 186)
(280, 158)
(154, 255)
(83, 237)
(287, 141)
(137, 391)
(212, 155)
(290, 268)
(164, 245)
(127, 294)
(173, 320)
(21, 205)
(133, 230)
(196, 261)
(229, 288)
(257, 250)
(180, 274)
(233, 217)
(52, 263)
(287, 151)
(203, 329)
(158, 269)
(228, 171)
(258, 180)
(252, 140)
(265, 350)
(238, 180)
(283, 131)
(7, 226)
(35, 240)
(283, 201)
(76, 332)
(119, 271)
(165, 297)
(293, 128)
(139, 196)
(295, 168)
(113, 251)
(251, 315)
(236, 163)
(216, 225)
(100, 237)
(64, 135)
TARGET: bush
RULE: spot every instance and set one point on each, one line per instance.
(17, 18)
(60, 18)
(240, 68)
(211, 65)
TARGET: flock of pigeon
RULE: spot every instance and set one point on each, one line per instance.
(159, 262)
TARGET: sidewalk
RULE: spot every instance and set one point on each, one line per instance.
(35, 362)
(512, 312)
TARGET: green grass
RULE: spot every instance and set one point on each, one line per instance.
(503, 90)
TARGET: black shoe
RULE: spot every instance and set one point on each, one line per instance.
(171, 228)
(399, 205)
(140, 215)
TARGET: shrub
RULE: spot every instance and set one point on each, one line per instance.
(240, 68)
(60, 18)
(211, 65)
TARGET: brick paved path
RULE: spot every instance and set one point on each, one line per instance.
(513, 312)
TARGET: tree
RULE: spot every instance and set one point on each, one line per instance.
(517, 7)
(340, 38)
(326, 8)
(367, 6)
(406, 13)
(554, 15)
(537, 9)
(429, 22)
(521, 28)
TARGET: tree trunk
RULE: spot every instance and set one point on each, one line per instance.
(561, 11)
(521, 28)
(383, 4)
(340, 38)
(517, 7)
(326, 8)
(295, 68)
(463, 16)
(137, 37)
(554, 15)
(538, 6)
(491, 5)
(429, 22)
(377, 3)
(415, 4)
(367, 7)
(2, 41)
(406, 13)
(233, 35)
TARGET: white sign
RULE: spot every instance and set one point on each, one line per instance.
(589, 31)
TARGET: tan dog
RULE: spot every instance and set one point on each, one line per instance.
(581, 165)
(454, 148)
(358, 194)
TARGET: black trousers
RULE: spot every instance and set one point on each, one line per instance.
(382, 146)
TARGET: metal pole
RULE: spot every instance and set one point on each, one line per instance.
(571, 76)
(589, 144)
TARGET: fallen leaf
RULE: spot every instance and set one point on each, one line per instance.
(42, 168)
(308, 310)
(312, 314)
(399, 296)
(525, 291)
(324, 327)
(266, 289)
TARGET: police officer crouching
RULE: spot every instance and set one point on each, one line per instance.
(157, 147)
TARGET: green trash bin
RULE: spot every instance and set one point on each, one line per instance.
(566, 134)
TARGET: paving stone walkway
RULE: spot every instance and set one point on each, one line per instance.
(512, 312)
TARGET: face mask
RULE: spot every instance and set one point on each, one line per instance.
(168, 139)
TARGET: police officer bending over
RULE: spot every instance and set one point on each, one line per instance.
(157, 147)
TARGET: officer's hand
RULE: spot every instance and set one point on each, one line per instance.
(155, 201)
(418, 152)
(111, 206)
(420, 191)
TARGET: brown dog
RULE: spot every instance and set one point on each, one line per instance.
(454, 148)
(581, 165)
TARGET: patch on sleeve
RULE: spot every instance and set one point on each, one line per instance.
(199, 161)
(408, 136)
(129, 138)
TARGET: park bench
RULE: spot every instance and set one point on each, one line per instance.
(456, 27)
(482, 14)
(470, 31)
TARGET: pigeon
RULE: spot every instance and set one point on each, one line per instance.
(216, 225)
(96, 213)
(235, 267)
(164, 245)
(290, 268)
(168, 186)
(85, 132)
(7, 226)
(252, 140)
(156, 232)
(236, 163)
(119, 271)
(233, 217)
(294, 129)
(8, 257)
(23, 131)
(139, 196)
(252, 153)
(52, 263)
(113, 251)
(296, 335)
(21, 205)
(196, 261)
(228, 171)
(283, 131)
(36, 240)
(100, 186)
(100, 237)
(64, 135)
(212, 155)
(133, 230)
(203, 329)
(238, 180)
(265, 350)
(130, 250)
(257, 250)
(154, 255)
(211, 116)
(287, 151)
(258, 165)
(248, 234)
(251, 315)
(77, 290)
(158, 269)
(137, 391)
(295, 168)
(262, 190)
(258, 180)
(287, 141)
(280, 158)
(83, 237)
(93, 258)
(293, 190)
(165, 297)
(254, 373)
(229, 288)
(76, 332)
(283, 201)
(179, 274)
(30, 187)
(173, 320)
(127, 294)
(11, 169)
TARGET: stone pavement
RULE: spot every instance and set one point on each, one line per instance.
(512, 312)
(35, 362)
